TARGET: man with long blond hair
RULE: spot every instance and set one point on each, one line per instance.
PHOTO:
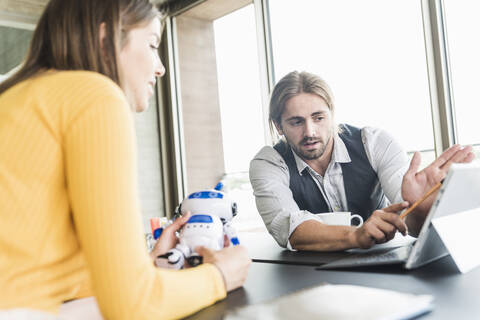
(321, 167)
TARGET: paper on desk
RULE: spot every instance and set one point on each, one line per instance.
(398, 241)
(338, 302)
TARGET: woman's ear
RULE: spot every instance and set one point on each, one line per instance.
(102, 33)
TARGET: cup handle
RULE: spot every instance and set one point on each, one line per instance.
(359, 217)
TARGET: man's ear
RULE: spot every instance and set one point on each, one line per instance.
(278, 126)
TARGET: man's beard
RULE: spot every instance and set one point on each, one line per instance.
(313, 154)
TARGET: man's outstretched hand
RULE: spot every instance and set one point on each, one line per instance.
(416, 184)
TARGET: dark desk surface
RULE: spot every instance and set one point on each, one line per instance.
(263, 248)
(456, 295)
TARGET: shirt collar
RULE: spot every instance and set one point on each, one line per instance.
(339, 155)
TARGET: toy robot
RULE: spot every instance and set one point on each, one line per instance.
(212, 212)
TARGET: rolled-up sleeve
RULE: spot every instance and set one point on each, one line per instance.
(388, 159)
(270, 178)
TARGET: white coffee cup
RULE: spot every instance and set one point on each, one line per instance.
(339, 218)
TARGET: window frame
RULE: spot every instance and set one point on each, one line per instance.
(436, 56)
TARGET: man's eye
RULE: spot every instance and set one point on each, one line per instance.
(318, 118)
(296, 123)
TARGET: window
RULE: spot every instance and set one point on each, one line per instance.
(240, 107)
(372, 55)
(464, 51)
(221, 105)
(239, 88)
(150, 184)
(14, 45)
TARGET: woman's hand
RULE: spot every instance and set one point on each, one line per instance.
(233, 263)
(169, 239)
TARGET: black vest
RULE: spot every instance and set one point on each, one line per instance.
(362, 188)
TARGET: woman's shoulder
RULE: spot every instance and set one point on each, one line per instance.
(78, 79)
(81, 88)
(71, 93)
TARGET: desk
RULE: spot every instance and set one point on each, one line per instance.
(456, 295)
(263, 248)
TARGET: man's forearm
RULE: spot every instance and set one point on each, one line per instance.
(316, 236)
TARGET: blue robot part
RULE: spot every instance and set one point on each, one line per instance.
(209, 225)
(157, 233)
(202, 218)
(205, 195)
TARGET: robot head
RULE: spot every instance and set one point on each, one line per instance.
(210, 202)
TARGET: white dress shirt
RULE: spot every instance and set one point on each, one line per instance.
(270, 180)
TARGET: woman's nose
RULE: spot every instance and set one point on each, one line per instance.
(160, 69)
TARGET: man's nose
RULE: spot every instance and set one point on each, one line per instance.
(310, 129)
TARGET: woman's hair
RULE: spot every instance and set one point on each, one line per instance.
(67, 37)
(292, 85)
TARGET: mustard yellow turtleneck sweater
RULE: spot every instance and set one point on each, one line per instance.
(70, 223)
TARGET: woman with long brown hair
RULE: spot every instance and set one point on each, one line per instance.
(70, 221)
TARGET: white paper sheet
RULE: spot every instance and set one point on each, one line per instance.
(338, 302)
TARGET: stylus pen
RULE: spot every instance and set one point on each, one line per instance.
(425, 196)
